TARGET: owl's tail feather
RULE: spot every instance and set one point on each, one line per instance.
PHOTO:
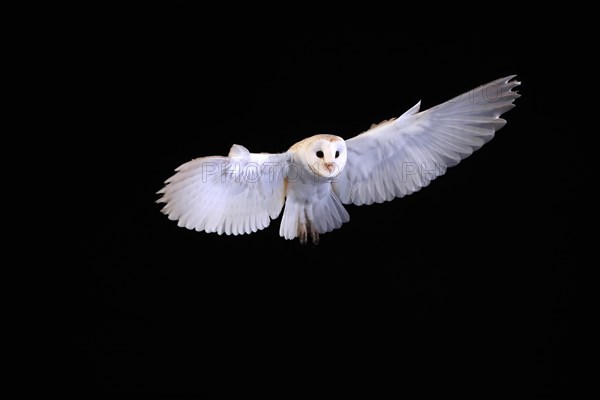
(309, 220)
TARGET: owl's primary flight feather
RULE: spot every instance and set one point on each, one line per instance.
(242, 192)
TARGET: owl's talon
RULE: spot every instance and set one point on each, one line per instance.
(315, 238)
(314, 234)
(302, 234)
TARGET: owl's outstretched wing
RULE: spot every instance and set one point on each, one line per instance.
(399, 157)
(236, 194)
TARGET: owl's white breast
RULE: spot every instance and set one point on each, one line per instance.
(307, 191)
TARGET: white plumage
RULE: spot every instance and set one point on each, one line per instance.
(242, 192)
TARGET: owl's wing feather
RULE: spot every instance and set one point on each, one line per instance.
(399, 157)
(234, 195)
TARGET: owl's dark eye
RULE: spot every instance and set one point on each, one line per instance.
(320, 154)
(337, 154)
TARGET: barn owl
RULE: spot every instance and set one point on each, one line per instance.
(314, 178)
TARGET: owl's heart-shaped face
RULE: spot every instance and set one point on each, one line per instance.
(326, 155)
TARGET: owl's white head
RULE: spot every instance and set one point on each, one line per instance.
(326, 155)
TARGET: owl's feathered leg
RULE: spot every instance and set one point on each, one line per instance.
(304, 220)
(302, 233)
(307, 229)
(314, 232)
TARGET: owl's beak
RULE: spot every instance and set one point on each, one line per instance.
(329, 166)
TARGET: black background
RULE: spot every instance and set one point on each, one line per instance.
(466, 287)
